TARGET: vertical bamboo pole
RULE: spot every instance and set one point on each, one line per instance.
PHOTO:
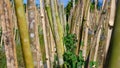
(57, 27)
(33, 30)
(73, 3)
(7, 28)
(114, 50)
(111, 23)
(24, 36)
(44, 32)
(1, 13)
(38, 48)
(59, 38)
(86, 35)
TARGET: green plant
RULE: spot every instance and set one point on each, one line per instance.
(92, 6)
(71, 60)
(93, 64)
(69, 40)
(2, 58)
(82, 43)
(81, 61)
(68, 8)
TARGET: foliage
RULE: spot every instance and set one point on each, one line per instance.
(55, 62)
(69, 40)
(20, 56)
(80, 60)
(93, 64)
(82, 43)
(2, 58)
(67, 9)
(25, 6)
(18, 49)
(71, 60)
(92, 6)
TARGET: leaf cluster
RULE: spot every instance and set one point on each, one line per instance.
(92, 6)
(93, 64)
(71, 60)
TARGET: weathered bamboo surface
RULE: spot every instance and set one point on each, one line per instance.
(40, 31)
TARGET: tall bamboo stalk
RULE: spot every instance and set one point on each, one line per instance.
(73, 3)
(114, 50)
(44, 32)
(7, 28)
(33, 30)
(59, 37)
(56, 28)
(111, 23)
(24, 36)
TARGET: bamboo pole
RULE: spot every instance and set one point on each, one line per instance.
(81, 25)
(97, 45)
(111, 23)
(56, 28)
(73, 3)
(86, 35)
(51, 41)
(33, 30)
(114, 49)
(7, 28)
(24, 36)
(44, 32)
(59, 38)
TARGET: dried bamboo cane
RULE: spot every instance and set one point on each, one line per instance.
(44, 32)
(33, 30)
(7, 28)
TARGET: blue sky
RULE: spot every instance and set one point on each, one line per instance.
(64, 2)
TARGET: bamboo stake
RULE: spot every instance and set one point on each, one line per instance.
(60, 47)
(82, 17)
(57, 34)
(86, 36)
(73, 1)
(97, 45)
(7, 28)
(111, 23)
(33, 30)
(113, 54)
(24, 36)
(44, 32)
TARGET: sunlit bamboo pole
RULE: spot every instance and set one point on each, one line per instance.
(57, 34)
(60, 14)
(73, 3)
(86, 35)
(38, 48)
(44, 32)
(114, 49)
(97, 45)
(111, 23)
(33, 30)
(7, 28)
(60, 47)
(81, 25)
(64, 17)
(24, 36)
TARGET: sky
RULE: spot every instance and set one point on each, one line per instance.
(63, 1)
